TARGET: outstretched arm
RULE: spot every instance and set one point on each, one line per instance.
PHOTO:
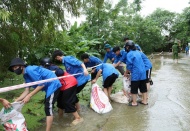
(85, 70)
(24, 94)
(36, 90)
(97, 76)
(5, 103)
(117, 64)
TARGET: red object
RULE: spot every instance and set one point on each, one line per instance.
(67, 82)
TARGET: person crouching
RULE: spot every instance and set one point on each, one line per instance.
(109, 74)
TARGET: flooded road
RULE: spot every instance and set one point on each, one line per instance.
(168, 105)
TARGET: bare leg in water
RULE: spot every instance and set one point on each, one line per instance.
(49, 121)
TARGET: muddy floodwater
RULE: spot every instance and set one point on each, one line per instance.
(168, 104)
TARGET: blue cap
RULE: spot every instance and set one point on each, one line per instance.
(107, 46)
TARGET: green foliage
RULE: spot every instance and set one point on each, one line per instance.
(36, 28)
(33, 29)
(164, 19)
(181, 27)
(4, 15)
(137, 4)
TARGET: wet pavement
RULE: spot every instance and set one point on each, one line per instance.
(167, 110)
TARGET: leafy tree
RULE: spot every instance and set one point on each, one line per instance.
(4, 15)
(32, 27)
(181, 27)
(164, 20)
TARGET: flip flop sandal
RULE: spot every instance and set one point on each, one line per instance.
(151, 82)
(143, 103)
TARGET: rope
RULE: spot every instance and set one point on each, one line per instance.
(10, 88)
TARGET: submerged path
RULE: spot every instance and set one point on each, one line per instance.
(168, 108)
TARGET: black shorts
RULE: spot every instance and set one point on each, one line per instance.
(110, 80)
(79, 88)
(50, 101)
(66, 99)
(138, 84)
(148, 75)
(93, 75)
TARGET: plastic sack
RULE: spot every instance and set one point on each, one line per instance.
(12, 118)
(127, 89)
(126, 84)
(99, 102)
(120, 98)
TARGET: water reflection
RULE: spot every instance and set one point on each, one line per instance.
(170, 110)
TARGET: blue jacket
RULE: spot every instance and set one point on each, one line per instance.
(36, 73)
(109, 55)
(107, 70)
(146, 61)
(120, 57)
(73, 66)
(93, 61)
(136, 65)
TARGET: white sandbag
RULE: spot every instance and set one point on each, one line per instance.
(119, 97)
(126, 84)
(99, 102)
(12, 118)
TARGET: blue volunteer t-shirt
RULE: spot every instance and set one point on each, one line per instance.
(109, 55)
(107, 70)
(136, 65)
(37, 73)
(93, 61)
(124, 57)
(73, 66)
(120, 57)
